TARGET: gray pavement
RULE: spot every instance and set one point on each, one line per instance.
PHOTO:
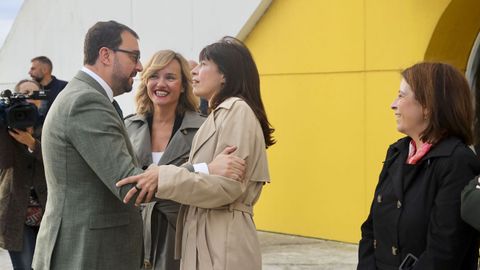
(287, 252)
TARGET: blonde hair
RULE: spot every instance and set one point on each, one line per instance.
(186, 102)
(17, 86)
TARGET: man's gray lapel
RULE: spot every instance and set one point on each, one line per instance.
(84, 77)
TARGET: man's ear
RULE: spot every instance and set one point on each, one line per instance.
(44, 68)
(104, 56)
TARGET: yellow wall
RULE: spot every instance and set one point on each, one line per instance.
(329, 71)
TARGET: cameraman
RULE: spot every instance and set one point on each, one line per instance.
(23, 189)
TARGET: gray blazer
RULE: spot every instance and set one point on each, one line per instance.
(86, 150)
(160, 217)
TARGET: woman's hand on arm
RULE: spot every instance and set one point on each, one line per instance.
(145, 184)
(227, 165)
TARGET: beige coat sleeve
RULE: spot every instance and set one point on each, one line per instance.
(235, 126)
(198, 189)
(241, 128)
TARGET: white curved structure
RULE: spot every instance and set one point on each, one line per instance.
(56, 28)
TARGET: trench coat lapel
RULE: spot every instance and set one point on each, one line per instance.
(181, 142)
(208, 128)
(204, 133)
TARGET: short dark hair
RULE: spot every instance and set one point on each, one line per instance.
(242, 80)
(444, 92)
(103, 34)
(44, 60)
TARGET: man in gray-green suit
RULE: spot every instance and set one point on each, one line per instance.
(86, 150)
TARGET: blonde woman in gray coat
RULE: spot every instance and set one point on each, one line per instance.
(161, 133)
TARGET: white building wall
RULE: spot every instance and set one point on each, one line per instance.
(56, 29)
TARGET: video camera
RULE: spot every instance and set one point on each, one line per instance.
(16, 112)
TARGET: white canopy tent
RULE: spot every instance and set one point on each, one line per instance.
(56, 29)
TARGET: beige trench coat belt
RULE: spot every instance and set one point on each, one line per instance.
(237, 206)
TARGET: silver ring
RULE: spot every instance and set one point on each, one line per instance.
(137, 188)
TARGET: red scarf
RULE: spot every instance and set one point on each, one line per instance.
(414, 154)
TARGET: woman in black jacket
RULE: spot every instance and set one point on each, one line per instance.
(414, 220)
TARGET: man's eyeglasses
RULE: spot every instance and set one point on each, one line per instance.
(135, 54)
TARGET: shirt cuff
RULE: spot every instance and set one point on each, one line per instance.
(201, 167)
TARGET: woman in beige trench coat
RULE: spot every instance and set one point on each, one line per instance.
(215, 228)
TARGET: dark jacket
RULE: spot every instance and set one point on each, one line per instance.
(19, 170)
(416, 210)
(54, 87)
(471, 203)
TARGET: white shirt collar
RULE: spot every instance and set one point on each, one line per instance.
(104, 84)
